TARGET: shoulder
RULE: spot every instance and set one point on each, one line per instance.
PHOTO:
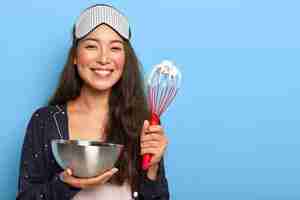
(46, 112)
(47, 119)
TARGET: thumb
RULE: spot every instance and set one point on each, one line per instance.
(145, 127)
(69, 172)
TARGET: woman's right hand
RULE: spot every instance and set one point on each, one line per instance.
(66, 176)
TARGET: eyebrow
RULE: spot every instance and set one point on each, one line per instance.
(96, 40)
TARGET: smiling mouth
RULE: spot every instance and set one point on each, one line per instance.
(102, 72)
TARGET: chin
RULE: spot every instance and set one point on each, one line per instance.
(102, 86)
(102, 89)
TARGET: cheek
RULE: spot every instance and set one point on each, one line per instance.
(85, 58)
(119, 59)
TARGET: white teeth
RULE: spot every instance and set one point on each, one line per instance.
(102, 72)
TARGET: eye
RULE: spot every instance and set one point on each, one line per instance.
(116, 48)
(91, 46)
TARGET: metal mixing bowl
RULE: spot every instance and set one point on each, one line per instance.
(85, 158)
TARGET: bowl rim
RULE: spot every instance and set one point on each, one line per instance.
(86, 143)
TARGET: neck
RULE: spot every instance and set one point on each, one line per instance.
(93, 101)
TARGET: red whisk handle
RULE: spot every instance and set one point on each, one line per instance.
(147, 157)
(154, 119)
(146, 161)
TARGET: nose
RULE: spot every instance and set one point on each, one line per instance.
(103, 57)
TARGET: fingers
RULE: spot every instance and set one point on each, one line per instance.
(151, 137)
(148, 129)
(155, 129)
(153, 141)
(151, 144)
(150, 150)
(154, 147)
(102, 178)
(65, 174)
(67, 177)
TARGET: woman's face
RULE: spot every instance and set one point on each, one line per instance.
(100, 58)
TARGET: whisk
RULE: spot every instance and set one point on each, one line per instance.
(162, 86)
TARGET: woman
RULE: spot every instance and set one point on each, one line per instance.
(100, 97)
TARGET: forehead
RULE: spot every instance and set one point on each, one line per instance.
(104, 33)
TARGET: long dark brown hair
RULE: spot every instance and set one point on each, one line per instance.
(127, 109)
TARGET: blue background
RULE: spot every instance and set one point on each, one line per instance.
(234, 127)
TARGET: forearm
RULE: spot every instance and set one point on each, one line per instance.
(157, 188)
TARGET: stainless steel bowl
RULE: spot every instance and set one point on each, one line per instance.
(85, 158)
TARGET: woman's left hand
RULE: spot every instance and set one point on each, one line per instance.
(154, 142)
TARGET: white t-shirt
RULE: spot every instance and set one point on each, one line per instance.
(107, 191)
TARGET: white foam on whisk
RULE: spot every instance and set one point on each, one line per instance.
(166, 68)
(163, 84)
